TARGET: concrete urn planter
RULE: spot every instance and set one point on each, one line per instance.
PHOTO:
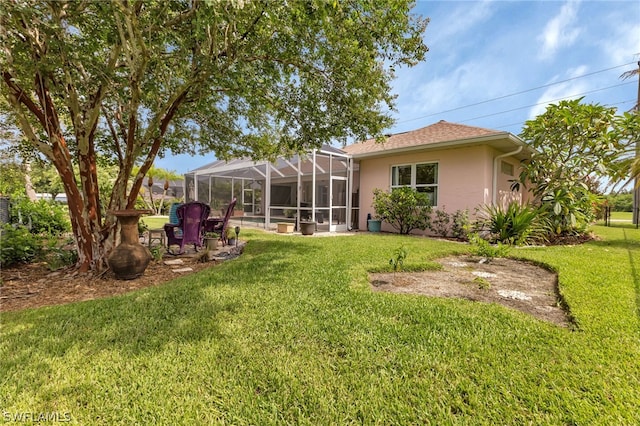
(130, 259)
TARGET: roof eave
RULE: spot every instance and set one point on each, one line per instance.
(445, 145)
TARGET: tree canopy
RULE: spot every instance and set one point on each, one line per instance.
(133, 80)
(576, 147)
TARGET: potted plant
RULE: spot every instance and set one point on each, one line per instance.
(231, 236)
(373, 224)
(211, 240)
(307, 227)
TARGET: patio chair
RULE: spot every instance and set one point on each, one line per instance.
(219, 224)
(191, 220)
(173, 212)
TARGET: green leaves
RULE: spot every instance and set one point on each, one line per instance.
(399, 255)
(134, 80)
(575, 146)
(403, 208)
(514, 225)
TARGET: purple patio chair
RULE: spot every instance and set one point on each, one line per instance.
(191, 220)
(219, 224)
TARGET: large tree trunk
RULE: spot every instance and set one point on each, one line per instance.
(84, 207)
(84, 222)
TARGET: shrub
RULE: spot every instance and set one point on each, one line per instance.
(515, 225)
(403, 208)
(157, 252)
(60, 254)
(483, 248)
(440, 222)
(142, 227)
(18, 245)
(455, 224)
(569, 212)
(460, 225)
(40, 216)
(621, 202)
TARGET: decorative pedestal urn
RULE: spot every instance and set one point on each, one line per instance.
(130, 259)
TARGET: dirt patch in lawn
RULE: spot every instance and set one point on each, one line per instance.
(513, 283)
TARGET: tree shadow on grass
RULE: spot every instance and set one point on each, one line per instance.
(631, 245)
(189, 309)
(624, 243)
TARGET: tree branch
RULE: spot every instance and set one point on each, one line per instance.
(24, 99)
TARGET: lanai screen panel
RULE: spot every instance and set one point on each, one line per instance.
(298, 188)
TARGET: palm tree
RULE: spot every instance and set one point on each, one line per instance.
(161, 174)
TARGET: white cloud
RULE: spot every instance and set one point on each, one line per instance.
(448, 26)
(429, 100)
(483, 66)
(568, 90)
(560, 31)
(623, 45)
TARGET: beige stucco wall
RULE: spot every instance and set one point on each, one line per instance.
(465, 178)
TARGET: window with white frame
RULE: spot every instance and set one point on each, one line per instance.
(423, 177)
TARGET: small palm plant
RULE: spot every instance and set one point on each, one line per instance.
(514, 225)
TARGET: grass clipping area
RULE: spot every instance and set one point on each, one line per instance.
(291, 333)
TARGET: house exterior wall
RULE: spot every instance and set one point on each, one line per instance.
(504, 192)
(465, 178)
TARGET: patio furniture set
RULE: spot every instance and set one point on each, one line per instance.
(189, 223)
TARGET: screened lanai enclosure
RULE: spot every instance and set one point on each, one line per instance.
(317, 187)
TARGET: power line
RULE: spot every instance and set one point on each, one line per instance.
(546, 102)
(517, 93)
(519, 123)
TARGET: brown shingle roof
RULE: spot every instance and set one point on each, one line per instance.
(438, 133)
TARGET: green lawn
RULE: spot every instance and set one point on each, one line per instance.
(290, 333)
(155, 222)
(620, 220)
(622, 216)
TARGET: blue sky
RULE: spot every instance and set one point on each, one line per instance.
(496, 64)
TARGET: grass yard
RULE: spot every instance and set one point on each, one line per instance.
(622, 216)
(155, 222)
(290, 333)
(620, 220)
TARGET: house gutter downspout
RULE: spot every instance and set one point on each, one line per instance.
(495, 171)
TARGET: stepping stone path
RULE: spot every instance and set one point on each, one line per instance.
(219, 255)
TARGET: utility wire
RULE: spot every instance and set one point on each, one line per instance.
(546, 102)
(517, 93)
(519, 123)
